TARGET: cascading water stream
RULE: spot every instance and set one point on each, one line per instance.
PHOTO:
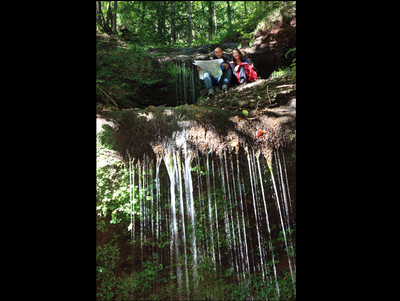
(184, 82)
(231, 222)
(247, 263)
(176, 82)
(191, 212)
(170, 161)
(283, 227)
(255, 213)
(226, 218)
(174, 207)
(186, 77)
(216, 215)
(287, 182)
(210, 217)
(267, 221)
(141, 212)
(284, 192)
(131, 199)
(179, 170)
(240, 243)
(204, 250)
(192, 72)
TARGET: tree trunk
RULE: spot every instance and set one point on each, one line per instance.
(245, 10)
(215, 20)
(203, 20)
(98, 11)
(173, 40)
(158, 22)
(107, 27)
(190, 23)
(163, 30)
(229, 16)
(114, 19)
(210, 20)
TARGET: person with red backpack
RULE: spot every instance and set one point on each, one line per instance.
(241, 69)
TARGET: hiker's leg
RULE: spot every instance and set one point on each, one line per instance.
(234, 80)
(215, 81)
(208, 81)
(226, 77)
(243, 74)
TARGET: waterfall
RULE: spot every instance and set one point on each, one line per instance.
(187, 78)
(211, 217)
(184, 82)
(255, 213)
(282, 224)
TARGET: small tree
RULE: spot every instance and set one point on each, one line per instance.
(114, 19)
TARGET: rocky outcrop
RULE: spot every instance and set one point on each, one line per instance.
(270, 46)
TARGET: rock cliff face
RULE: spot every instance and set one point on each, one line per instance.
(270, 46)
(201, 137)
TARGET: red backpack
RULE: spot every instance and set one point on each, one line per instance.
(250, 73)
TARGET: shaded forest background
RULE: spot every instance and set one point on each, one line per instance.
(186, 23)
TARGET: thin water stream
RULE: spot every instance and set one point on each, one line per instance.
(231, 208)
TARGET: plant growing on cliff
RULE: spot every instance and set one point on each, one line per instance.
(293, 64)
(108, 256)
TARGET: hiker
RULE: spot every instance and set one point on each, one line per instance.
(224, 79)
(236, 68)
(242, 71)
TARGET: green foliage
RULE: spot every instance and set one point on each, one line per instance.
(280, 72)
(293, 65)
(293, 134)
(126, 286)
(112, 182)
(259, 289)
(202, 170)
(105, 137)
(146, 278)
(107, 256)
(119, 65)
(153, 21)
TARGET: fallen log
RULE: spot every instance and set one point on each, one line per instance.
(283, 86)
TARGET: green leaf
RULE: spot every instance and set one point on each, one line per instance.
(245, 113)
